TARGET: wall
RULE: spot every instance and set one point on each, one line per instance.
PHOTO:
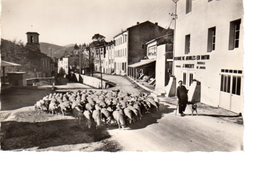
(160, 67)
(91, 81)
(205, 15)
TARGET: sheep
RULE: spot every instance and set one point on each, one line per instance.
(78, 114)
(88, 115)
(152, 103)
(53, 107)
(129, 114)
(89, 107)
(119, 118)
(65, 107)
(106, 114)
(97, 117)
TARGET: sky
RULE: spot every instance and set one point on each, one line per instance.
(64, 22)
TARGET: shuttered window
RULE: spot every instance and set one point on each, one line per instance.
(234, 34)
(211, 39)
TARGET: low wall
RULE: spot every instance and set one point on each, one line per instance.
(91, 81)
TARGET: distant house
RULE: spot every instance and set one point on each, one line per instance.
(97, 51)
(108, 63)
(130, 44)
(77, 60)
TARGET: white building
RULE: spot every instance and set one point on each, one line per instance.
(63, 63)
(120, 53)
(108, 63)
(209, 48)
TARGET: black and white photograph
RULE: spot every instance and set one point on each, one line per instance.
(129, 85)
(148, 75)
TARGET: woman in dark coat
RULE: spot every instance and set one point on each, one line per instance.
(182, 97)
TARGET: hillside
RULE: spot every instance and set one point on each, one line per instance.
(53, 50)
(33, 62)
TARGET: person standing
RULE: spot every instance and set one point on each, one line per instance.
(182, 97)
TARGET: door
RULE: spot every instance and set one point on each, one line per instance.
(230, 92)
(187, 77)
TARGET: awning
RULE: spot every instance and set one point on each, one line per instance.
(8, 64)
(142, 63)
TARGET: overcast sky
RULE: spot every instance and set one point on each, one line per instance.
(64, 22)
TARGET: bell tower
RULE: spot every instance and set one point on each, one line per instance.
(33, 41)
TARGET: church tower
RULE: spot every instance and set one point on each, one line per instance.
(33, 41)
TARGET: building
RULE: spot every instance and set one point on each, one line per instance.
(98, 51)
(157, 63)
(33, 62)
(77, 60)
(63, 65)
(108, 63)
(130, 44)
(33, 41)
(209, 48)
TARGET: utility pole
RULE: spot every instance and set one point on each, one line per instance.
(171, 87)
(100, 69)
(174, 17)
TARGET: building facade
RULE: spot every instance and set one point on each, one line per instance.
(130, 44)
(209, 48)
(98, 51)
(157, 63)
(121, 53)
(108, 63)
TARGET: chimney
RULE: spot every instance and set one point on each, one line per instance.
(137, 23)
(156, 23)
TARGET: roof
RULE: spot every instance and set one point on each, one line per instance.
(32, 33)
(163, 38)
(142, 63)
(138, 24)
(9, 64)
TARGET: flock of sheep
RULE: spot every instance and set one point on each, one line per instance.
(98, 108)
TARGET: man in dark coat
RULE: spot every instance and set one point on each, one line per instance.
(182, 97)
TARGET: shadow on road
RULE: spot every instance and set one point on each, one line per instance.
(152, 118)
(235, 118)
(22, 135)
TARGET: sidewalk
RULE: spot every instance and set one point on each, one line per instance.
(206, 110)
(203, 109)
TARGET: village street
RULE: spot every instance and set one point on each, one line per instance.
(166, 131)
(214, 129)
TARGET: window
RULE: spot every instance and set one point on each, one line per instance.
(234, 34)
(152, 51)
(225, 83)
(187, 44)
(123, 67)
(184, 79)
(188, 6)
(236, 85)
(211, 39)
(209, 0)
(191, 78)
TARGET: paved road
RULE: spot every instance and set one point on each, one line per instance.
(166, 131)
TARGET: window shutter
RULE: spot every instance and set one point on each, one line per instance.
(231, 36)
(209, 40)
